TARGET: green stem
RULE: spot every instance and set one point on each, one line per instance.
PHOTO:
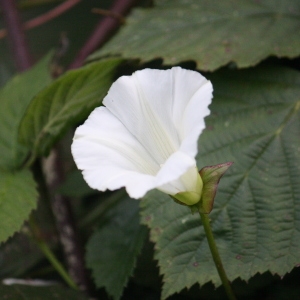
(56, 264)
(216, 256)
(51, 257)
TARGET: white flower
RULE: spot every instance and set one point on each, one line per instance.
(146, 135)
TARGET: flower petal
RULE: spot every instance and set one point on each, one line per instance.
(162, 108)
(193, 118)
(111, 158)
(168, 178)
(146, 136)
(146, 117)
(177, 164)
(192, 96)
(103, 148)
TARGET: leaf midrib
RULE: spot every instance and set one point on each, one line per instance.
(292, 112)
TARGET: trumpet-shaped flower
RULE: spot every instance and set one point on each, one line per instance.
(146, 135)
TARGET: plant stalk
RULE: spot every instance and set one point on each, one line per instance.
(103, 30)
(16, 36)
(56, 264)
(216, 256)
(49, 254)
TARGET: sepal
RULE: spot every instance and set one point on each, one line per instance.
(211, 176)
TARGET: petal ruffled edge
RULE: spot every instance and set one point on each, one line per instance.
(178, 163)
(193, 119)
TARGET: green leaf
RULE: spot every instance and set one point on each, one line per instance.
(23, 292)
(75, 186)
(113, 248)
(65, 102)
(14, 99)
(18, 197)
(213, 33)
(255, 123)
(13, 262)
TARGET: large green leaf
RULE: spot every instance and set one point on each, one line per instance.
(255, 123)
(66, 101)
(14, 99)
(113, 248)
(24, 292)
(213, 33)
(75, 186)
(18, 196)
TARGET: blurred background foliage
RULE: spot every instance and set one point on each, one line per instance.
(250, 50)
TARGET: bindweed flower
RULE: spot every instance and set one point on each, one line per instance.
(146, 135)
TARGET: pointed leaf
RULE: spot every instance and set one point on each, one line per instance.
(255, 122)
(14, 99)
(65, 102)
(18, 197)
(213, 33)
(113, 248)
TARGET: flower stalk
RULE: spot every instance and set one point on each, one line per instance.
(35, 235)
(216, 256)
(56, 264)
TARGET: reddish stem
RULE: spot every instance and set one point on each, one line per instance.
(51, 14)
(60, 205)
(46, 17)
(66, 227)
(17, 40)
(103, 31)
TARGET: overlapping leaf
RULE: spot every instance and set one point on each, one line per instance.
(13, 261)
(113, 248)
(255, 123)
(213, 33)
(66, 101)
(18, 196)
(14, 99)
